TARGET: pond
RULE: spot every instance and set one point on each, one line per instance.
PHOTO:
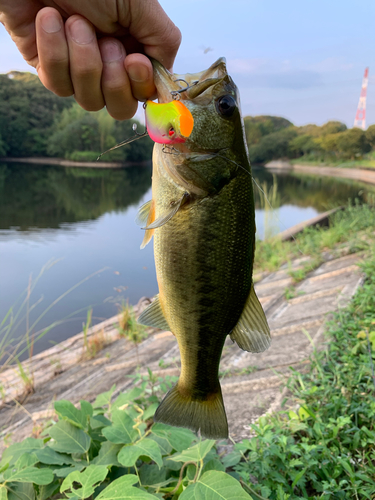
(68, 236)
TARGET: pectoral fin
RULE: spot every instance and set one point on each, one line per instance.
(153, 316)
(252, 332)
(164, 218)
(143, 213)
(145, 216)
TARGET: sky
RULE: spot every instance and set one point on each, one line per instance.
(303, 60)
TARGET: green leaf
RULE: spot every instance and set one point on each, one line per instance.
(298, 477)
(163, 444)
(86, 408)
(47, 491)
(121, 432)
(49, 456)
(107, 454)
(152, 475)
(65, 471)
(69, 439)
(127, 397)
(3, 492)
(12, 454)
(23, 471)
(195, 453)
(146, 447)
(231, 459)
(99, 421)
(122, 489)
(29, 474)
(89, 479)
(67, 411)
(104, 399)
(213, 464)
(150, 411)
(215, 485)
(21, 491)
(178, 438)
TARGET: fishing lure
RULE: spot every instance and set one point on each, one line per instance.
(168, 123)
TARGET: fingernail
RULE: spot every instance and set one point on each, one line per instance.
(111, 52)
(51, 24)
(138, 73)
(81, 32)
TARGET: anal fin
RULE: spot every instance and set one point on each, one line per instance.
(153, 316)
(252, 332)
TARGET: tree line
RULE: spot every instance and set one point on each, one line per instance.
(36, 123)
(272, 137)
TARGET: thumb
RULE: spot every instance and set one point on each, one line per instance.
(151, 26)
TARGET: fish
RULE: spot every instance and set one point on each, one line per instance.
(202, 219)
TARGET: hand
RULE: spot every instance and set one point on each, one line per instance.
(94, 49)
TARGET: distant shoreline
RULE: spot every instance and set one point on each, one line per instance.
(68, 163)
(356, 174)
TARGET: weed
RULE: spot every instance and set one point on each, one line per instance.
(27, 380)
(96, 342)
(173, 362)
(128, 326)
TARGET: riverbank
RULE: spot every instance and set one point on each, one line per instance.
(61, 162)
(357, 174)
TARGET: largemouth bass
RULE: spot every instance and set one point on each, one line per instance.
(203, 221)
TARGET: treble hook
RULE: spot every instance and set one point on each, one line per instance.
(176, 93)
(170, 150)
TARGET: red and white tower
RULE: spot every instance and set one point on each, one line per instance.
(360, 116)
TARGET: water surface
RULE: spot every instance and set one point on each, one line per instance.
(82, 221)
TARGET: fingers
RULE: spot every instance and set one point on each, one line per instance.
(85, 63)
(153, 28)
(53, 53)
(116, 87)
(140, 71)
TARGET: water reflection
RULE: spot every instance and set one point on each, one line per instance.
(49, 197)
(85, 219)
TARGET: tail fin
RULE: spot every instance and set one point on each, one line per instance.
(208, 416)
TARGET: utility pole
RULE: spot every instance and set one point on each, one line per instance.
(360, 116)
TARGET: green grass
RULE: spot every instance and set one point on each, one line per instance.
(351, 228)
(367, 161)
(323, 447)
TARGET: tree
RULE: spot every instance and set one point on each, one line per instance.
(370, 135)
(27, 112)
(257, 127)
(332, 127)
(352, 143)
(273, 146)
(303, 145)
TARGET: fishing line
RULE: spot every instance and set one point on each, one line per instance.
(135, 137)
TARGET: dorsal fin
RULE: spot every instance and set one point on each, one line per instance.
(252, 332)
(153, 316)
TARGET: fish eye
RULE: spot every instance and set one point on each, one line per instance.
(226, 105)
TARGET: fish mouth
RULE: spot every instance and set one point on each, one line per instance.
(169, 84)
